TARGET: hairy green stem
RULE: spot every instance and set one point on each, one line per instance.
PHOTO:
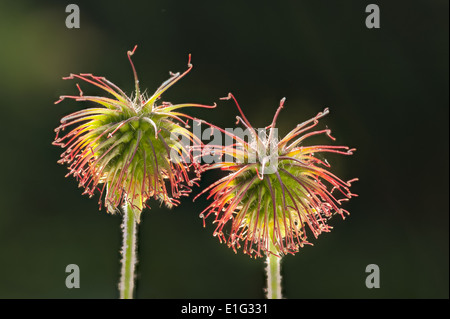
(273, 275)
(129, 227)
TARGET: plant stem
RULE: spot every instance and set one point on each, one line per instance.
(126, 285)
(273, 275)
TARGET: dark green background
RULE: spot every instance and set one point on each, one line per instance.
(387, 90)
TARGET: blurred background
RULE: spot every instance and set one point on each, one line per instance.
(387, 90)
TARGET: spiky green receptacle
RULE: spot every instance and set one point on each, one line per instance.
(138, 157)
(277, 210)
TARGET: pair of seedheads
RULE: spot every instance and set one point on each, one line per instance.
(132, 149)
